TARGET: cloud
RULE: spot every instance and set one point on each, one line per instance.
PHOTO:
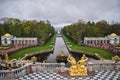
(61, 12)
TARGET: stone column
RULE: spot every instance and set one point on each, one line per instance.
(23, 41)
(87, 41)
(17, 41)
(92, 41)
(33, 42)
(106, 41)
(29, 42)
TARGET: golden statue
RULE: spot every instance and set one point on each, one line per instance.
(9, 66)
(34, 59)
(81, 66)
(116, 58)
(61, 54)
(101, 60)
(71, 60)
(77, 69)
(6, 58)
(44, 61)
(73, 69)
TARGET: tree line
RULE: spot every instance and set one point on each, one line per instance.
(77, 31)
(27, 28)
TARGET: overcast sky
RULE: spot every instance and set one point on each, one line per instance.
(61, 12)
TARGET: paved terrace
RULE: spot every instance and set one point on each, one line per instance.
(106, 70)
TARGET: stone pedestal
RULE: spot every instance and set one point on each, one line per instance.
(62, 69)
(90, 68)
(34, 68)
(10, 76)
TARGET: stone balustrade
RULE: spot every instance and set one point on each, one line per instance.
(14, 73)
(46, 67)
(103, 65)
(29, 68)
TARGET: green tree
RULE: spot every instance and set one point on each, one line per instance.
(1, 31)
(102, 28)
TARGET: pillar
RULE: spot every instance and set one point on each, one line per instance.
(17, 41)
(62, 69)
(87, 41)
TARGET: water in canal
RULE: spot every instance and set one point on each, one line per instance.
(58, 47)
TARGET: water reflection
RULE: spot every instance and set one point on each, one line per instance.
(41, 57)
(78, 56)
(59, 45)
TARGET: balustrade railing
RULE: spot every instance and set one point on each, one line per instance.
(104, 65)
(29, 68)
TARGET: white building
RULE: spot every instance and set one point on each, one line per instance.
(9, 39)
(110, 39)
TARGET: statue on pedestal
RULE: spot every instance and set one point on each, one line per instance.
(34, 59)
(81, 66)
(6, 59)
(77, 68)
(116, 58)
(73, 71)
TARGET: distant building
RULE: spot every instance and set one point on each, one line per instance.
(110, 39)
(9, 39)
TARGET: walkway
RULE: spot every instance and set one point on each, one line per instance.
(46, 75)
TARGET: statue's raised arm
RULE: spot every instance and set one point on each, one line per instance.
(71, 60)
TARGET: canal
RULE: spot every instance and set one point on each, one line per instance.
(59, 46)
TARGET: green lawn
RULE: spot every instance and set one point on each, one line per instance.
(23, 52)
(3, 48)
(103, 53)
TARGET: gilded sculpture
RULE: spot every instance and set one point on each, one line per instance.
(77, 68)
(116, 58)
(34, 59)
(6, 58)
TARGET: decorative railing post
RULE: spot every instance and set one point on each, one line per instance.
(117, 66)
(62, 68)
(33, 66)
(90, 68)
(10, 75)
